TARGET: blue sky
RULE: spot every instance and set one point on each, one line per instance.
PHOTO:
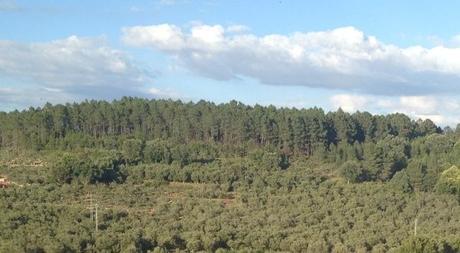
(377, 56)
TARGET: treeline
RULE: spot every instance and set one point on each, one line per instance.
(365, 147)
(104, 124)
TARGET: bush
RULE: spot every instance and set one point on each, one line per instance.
(87, 167)
(353, 172)
(402, 182)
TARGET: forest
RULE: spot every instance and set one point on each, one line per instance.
(139, 175)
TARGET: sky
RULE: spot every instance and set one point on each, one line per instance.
(377, 56)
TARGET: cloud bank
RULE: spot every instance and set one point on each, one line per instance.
(441, 110)
(343, 58)
(66, 70)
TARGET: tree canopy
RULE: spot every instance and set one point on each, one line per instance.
(202, 177)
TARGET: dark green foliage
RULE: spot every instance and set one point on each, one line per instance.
(346, 128)
(133, 150)
(157, 151)
(427, 245)
(388, 157)
(87, 167)
(291, 211)
(117, 125)
(65, 169)
(417, 173)
(269, 159)
(353, 172)
(198, 177)
(402, 182)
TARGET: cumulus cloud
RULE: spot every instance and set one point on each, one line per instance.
(343, 58)
(164, 93)
(73, 67)
(20, 97)
(165, 37)
(349, 103)
(419, 104)
(443, 110)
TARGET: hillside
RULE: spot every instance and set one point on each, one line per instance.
(166, 175)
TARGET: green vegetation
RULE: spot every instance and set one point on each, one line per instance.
(193, 177)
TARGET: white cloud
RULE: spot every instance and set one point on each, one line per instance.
(438, 119)
(419, 104)
(417, 107)
(443, 110)
(73, 68)
(164, 93)
(20, 97)
(414, 105)
(349, 103)
(343, 58)
(208, 34)
(164, 37)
